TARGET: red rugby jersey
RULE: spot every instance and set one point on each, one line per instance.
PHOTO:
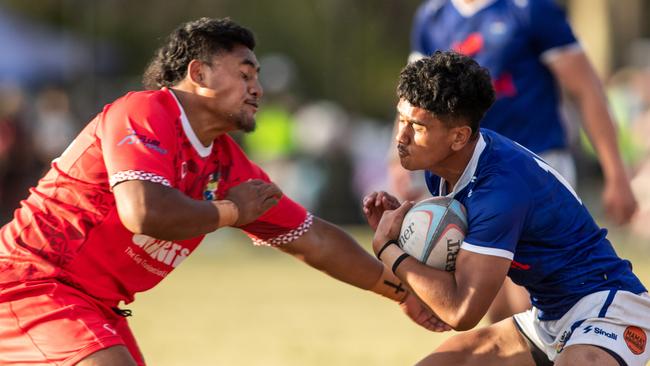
(69, 229)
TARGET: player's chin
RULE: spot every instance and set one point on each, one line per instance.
(247, 124)
(408, 163)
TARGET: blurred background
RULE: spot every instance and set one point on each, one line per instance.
(329, 69)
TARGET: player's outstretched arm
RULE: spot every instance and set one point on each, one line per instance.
(460, 299)
(328, 248)
(576, 74)
(166, 213)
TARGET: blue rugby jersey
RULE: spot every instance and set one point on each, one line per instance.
(511, 38)
(519, 208)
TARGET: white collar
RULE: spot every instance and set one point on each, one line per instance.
(203, 151)
(468, 173)
(468, 9)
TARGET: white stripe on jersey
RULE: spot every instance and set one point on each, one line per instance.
(487, 251)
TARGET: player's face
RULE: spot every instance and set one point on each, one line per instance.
(423, 141)
(232, 86)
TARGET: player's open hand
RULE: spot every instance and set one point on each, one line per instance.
(422, 315)
(374, 205)
(253, 198)
(390, 224)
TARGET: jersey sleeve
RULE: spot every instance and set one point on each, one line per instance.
(283, 222)
(139, 136)
(550, 29)
(496, 213)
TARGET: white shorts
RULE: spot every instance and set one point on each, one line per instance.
(562, 161)
(618, 321)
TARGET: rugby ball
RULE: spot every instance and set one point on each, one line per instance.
(433, 230)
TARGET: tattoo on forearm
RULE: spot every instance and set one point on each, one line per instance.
(398, 287)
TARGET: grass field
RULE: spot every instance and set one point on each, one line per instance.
(233, 304)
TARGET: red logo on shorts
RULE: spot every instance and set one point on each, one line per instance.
(636, 339)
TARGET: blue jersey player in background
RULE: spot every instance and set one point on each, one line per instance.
(524, 221)
(531, 52)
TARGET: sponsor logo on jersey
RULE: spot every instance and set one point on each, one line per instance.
(110, 329)
(210, 191)
(636, 339)
(163, 251)
(135, 138)
(600, 332)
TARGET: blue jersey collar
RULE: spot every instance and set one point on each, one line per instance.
(468, 173)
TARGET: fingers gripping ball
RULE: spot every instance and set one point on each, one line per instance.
(433, 231)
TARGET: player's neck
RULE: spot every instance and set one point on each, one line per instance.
(203, 122)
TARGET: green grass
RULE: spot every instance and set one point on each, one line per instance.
(234, 304)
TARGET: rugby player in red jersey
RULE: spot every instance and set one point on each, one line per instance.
(135, 193)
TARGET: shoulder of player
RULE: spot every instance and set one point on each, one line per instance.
(500, 179)
(143, 104)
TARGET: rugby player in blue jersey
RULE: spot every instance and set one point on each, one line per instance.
(525, 221)
(530, 50)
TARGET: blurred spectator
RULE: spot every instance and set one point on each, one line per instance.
(369, 138)
(16, 168)
(54, 126)
(322, 140)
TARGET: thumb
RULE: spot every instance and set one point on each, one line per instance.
(403, 208)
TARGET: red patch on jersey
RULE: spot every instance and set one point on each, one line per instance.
(504, 86)
(472, 45)
(517, 265)
(636, 339)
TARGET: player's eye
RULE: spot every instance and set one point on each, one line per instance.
(245, 76)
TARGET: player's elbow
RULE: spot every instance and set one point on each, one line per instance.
(135, 218)
(465, 323)
(462, 320)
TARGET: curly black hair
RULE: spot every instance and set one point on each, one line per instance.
(454, 87)
(195, 40)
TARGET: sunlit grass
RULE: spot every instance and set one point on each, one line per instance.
(234, 304)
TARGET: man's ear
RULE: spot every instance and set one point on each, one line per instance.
(461, 136)
(195, 73)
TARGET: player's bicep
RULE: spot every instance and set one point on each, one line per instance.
(479, 277)
(138, 202)
(573, 70)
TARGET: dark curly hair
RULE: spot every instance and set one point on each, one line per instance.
(195, 40)
(454, 87)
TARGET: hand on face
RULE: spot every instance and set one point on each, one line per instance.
(375, 204)
(253, 198)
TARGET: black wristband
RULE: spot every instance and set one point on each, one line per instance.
(388, 243)
(398, 261)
